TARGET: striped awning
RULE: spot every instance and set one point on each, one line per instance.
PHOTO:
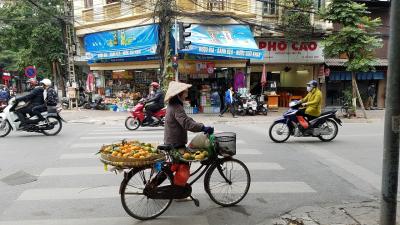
(346, 75)
(341, 62)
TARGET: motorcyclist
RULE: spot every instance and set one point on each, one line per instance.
(35, 98)
(312, 102)
(48, 95)
(154, 104)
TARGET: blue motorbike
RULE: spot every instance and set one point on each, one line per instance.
(324, 127)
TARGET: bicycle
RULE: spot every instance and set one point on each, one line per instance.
(148, 191)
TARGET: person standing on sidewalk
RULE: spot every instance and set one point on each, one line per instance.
(371, 96)
(229, 102)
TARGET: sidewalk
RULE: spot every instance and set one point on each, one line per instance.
(104, 117)
(362, 213)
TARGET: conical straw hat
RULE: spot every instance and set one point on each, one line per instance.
(175, 88)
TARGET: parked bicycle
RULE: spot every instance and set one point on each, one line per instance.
(147, 192)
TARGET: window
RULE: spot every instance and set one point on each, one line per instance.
(111, 1)
(88, 3)
(216, 5)
(270, 8)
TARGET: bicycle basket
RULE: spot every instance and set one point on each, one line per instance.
(225, 143)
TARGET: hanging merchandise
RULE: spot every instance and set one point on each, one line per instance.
(239, 80)
(90, 83)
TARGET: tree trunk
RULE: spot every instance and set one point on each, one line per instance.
(356, 94)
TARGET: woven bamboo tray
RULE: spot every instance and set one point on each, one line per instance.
(129, 164)
(109, 157)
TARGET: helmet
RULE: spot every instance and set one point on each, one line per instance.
(312, 83)
(32, 81)
(46, 82)
(155, 85)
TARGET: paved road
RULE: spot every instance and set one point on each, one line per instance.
(69, 185)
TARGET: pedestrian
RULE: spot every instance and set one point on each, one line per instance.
(229, 103)
(4, 93)
(371, 91)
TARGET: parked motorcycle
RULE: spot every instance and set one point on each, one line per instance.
(262, 108)
(248, 105)
(135, 120)
(10, 121)
(97, 104)
(81, 101)
(325, 127)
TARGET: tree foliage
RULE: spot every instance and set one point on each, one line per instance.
(30, 36)
(296, 19)
(356, 38)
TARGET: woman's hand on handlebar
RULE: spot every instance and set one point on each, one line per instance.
(207, 130)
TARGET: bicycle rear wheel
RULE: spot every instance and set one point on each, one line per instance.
(227, 182)
(135, 203)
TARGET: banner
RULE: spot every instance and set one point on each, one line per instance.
(129, 42)
(234, 41)
(281, 51)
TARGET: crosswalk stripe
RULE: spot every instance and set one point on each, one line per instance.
(127, 132)
(99, 170)
(113, 191)
(98, 145)
(166, 220)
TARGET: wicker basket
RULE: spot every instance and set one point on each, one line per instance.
(129, 164)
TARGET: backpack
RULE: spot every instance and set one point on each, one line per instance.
(4, 95)
(52, 97)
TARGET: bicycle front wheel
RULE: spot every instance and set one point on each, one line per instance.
(227, 182)
(135, 202)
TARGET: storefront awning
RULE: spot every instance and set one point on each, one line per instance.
(123, 43)
(345, 75)
(233, 41)
(341, 62)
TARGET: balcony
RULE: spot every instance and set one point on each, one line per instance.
(112, 10)
(87, 15)
(238, 7)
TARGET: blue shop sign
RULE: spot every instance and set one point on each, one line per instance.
(122, 43)
(233, 41)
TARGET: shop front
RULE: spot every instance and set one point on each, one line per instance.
(287, 67)
(123, 63)
(339, 84)
(216, 59)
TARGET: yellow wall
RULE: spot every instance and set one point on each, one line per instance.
(291, 78)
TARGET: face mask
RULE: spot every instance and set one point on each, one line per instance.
(309, 88)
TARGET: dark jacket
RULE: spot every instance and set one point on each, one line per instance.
(35, 97)
(158, 99)
(177, 123)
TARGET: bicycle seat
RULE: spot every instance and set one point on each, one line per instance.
(165, 147)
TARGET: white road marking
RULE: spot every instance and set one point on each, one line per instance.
(164, 220)
(98, 145)
(92, 155)
(99, 170)
(113, 191)
(350, 167)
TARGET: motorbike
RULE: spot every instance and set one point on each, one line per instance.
(135, 120)
(248, 105)
(81, 101)
(325, 127)
(97, 104)
(262, 108)
(10, 121)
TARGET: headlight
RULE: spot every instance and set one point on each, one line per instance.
(265, 105)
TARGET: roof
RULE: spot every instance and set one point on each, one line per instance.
(340, 62)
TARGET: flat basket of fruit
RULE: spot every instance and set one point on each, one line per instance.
(130, 154)
(190, 155)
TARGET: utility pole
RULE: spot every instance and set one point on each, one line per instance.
(70, 42)
(176, 49)
(164, 15)
(392, 124)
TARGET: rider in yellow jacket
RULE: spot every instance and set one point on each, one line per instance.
(313, 101)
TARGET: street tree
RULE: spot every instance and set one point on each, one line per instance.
(356, 39)
(31, 36)
(296, 21)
